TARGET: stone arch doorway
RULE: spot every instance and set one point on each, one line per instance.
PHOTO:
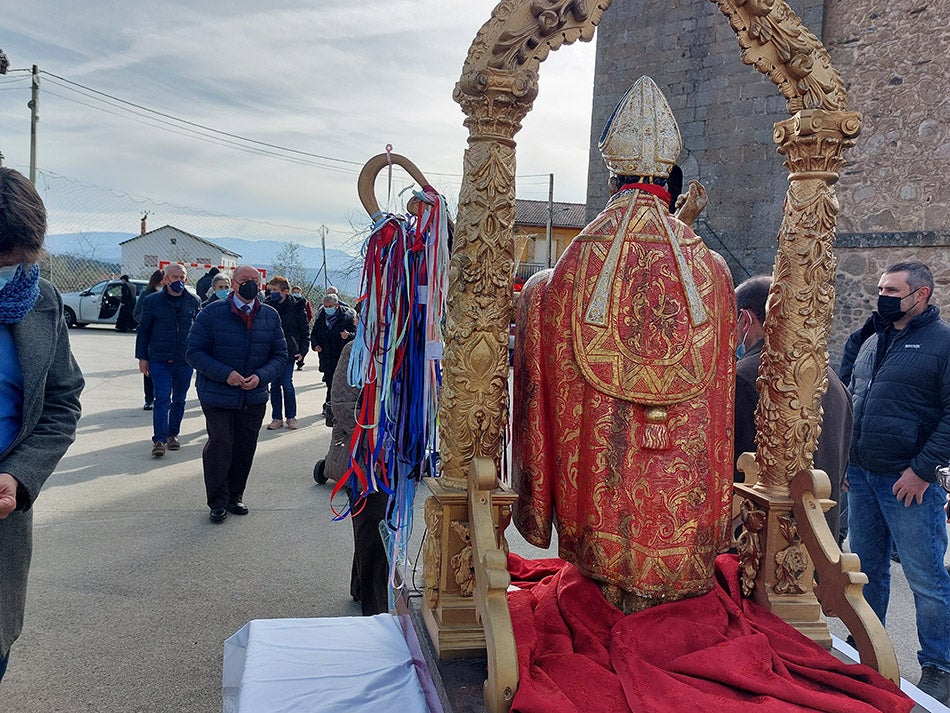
(497, 88)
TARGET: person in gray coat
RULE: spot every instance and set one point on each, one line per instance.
(369, 576)
(40, 384)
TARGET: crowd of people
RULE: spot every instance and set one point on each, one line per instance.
(244, 341)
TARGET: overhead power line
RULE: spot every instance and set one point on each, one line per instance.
(197, 125)
(184, 127)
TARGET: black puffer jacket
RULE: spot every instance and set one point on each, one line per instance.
(293, 318)
(326, 335)
(901, 387)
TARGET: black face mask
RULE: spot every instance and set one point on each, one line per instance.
(889, 306)
(248, 290)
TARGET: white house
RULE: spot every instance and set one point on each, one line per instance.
(152, 250)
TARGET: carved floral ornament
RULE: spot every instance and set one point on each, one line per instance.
(498, 85)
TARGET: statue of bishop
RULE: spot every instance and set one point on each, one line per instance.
(624, 381)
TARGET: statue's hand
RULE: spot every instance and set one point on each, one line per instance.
(690, 204)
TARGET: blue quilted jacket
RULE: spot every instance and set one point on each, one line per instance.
(901, 387)
(162, 333)
(220, 343)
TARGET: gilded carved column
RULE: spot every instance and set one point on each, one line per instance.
(792, 374)
(473, 408)
(777, 570)
(498, 85)
(801, 301)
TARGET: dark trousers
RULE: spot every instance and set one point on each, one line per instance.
(229, 452)
(328, 380)
(369, 579)
(125, 322)
(149, 388)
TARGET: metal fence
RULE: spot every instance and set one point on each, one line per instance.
(87, 223)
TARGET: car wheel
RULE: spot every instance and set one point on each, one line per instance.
(69, 317)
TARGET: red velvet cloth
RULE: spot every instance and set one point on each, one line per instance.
(716, 652)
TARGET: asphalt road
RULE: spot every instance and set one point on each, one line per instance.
(133, 591)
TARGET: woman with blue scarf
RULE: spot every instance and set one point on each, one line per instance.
(40, 384)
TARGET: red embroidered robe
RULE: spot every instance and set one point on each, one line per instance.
(623, 401)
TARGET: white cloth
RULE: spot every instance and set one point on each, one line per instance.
(346, 664)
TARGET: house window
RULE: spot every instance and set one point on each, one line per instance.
(173, 241)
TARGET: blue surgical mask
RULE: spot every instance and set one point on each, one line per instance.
(222, 294)
(273, 296)
(330, 311)
(7, 273)
(740, 350)
(178, 286)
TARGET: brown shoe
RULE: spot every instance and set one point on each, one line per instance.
(275, 424)
(292, 424)
(158, 449)
(173, 443)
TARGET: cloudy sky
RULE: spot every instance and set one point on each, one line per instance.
(333, 78)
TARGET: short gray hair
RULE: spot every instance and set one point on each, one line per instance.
(918, 274)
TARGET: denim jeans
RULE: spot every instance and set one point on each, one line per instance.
(171, 383)
(284, 383)
(877, 521)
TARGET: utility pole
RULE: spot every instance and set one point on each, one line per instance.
(550, 226)
(4, 65)
(34, 117)
(323, 243)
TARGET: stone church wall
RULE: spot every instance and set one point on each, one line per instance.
(893, 56)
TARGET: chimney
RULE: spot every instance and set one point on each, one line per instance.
(143, 223)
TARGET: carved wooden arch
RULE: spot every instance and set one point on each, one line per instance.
(498, 85)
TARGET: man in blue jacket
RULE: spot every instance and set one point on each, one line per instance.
(237, 347)
(160, 348)
(901, 388)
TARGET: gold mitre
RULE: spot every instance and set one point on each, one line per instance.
(641, 137)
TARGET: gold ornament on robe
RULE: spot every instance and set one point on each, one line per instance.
(624, 384)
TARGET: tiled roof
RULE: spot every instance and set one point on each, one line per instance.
(565, 215)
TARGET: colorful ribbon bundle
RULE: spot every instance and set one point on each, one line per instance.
(396, 360)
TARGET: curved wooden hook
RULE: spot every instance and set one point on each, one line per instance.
(366, 183)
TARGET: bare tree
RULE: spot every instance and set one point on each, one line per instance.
(287, 262)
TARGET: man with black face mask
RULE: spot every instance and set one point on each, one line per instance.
(901, 389)
(237, 347)
(160, 348)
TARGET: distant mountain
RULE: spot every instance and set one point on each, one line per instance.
(105, 246)
(343, 268)
(99, 246)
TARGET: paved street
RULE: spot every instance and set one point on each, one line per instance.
(133, 591)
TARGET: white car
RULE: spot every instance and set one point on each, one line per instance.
(97, 305)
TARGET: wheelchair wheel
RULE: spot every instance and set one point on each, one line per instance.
(318, 475)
